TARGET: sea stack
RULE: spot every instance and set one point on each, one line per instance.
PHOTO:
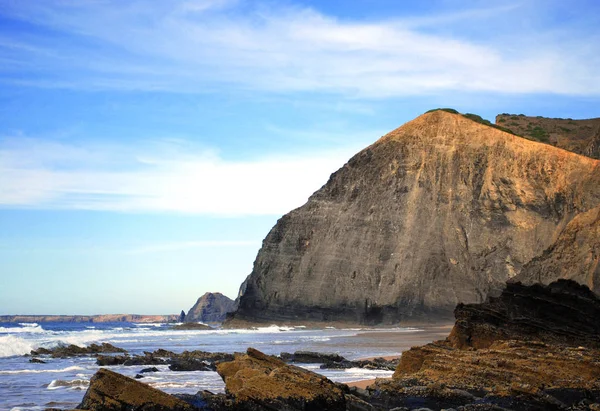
(210, 308)
(441, 211)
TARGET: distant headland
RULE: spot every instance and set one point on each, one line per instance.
(102, 318)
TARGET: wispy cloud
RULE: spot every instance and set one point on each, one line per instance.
(160, 176)
(211, 45)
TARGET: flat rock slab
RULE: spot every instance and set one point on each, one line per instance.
(267, 381)
(111, 391)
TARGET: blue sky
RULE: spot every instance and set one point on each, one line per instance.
(146, 148)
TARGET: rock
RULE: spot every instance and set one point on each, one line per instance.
(575, 255)
(64, 351)
(192, 326)
(206, 400)
(335, 361)
(191, 365)
(111, 391)
(478, 368)
(563, 312)
(197, 361)
(311, 357)
(185, 361)
(182, 316)
(138, 376)
(255, 378)
(151, 369)
(441, 211)
(108, 360)
(210, 308)
(37, 361)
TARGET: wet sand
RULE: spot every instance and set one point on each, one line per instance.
(399, 341)
(396, 342)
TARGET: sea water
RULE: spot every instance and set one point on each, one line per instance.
(61, 383)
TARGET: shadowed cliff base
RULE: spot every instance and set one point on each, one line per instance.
(441, 211)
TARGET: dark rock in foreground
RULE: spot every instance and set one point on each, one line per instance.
(515, 375)
(111, 391)
(263, 381)
(562, 313)
(533, 348)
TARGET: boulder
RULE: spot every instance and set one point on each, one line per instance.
(111, 391)
(311, 357)
(65, 351)
(265, 381)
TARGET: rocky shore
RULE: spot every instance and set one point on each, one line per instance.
(504, 354)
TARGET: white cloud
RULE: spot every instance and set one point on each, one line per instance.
(199, 46)
(163, 176)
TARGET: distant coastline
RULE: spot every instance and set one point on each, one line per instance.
(101, 318)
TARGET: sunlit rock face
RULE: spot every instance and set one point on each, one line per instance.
(440, 211)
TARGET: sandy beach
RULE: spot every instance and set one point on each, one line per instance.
(400, 341)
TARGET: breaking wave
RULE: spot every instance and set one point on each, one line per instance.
(11, 345)
(66, 369)
(72, 384)
(25, 328)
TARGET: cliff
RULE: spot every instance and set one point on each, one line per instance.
(210, 308)
(575, 255)
(440, 211)
(564, 312)
(578, 136)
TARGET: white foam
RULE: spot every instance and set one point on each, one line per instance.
(67, 369)
(11, 345)
(78, 384)
(25, 328)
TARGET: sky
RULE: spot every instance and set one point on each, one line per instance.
(147, 148)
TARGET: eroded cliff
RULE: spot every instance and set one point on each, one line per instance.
(440, 211)
(575, 255)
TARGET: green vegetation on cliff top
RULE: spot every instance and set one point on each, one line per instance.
(476, 118)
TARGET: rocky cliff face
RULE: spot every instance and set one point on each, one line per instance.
(210, 308)
(575, 255)
(578, 136)
(440, 211)
(564, 312)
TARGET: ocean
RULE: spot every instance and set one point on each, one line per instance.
(61, 383)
